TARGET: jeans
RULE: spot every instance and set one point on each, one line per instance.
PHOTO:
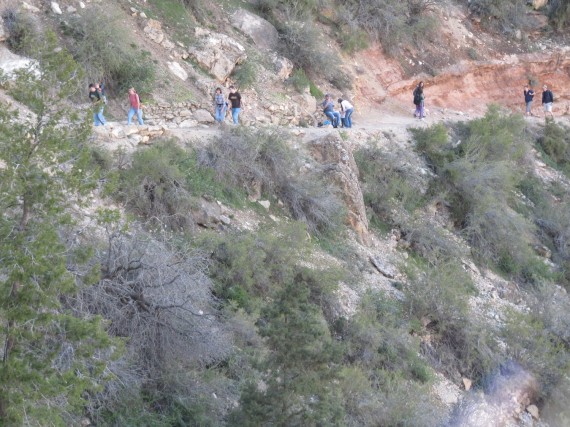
(134, 111)
(528, 107)
(98, 118)
(334, 116)
(347, 122)
(220, 113)
(420, 110)
(235, 115)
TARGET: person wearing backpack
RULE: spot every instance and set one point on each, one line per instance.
(97, 105)
(136, 107)
(547, 100)
(419, 100)
(528, 97)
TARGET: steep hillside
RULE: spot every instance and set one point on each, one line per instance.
(184, 272)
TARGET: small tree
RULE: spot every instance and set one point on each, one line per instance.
(46, 362)
(300, 368)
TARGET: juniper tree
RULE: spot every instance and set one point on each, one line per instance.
(46, 351)
(301, 367)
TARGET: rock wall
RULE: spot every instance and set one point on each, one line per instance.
(336, 154)
(471, 86)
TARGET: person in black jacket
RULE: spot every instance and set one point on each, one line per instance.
(528, 97)
(547, 100)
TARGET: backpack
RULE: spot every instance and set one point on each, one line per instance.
(417, 97)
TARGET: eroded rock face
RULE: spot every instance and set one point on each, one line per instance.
(496, 81)
(341, 168)
(10, 62)
(218, 53)
(3, 32)
(262, 33)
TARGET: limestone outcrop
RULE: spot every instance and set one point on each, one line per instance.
(262, 32)
(336, 155)
(217, 53)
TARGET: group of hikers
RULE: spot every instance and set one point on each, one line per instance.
(342, 118)
(99, 99)
(547, 100)
(233, 105)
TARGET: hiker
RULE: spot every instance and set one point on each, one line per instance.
(347, 109)
(328, 109)
(419, 101)
(101, 90)
(235, 99)
(136, 107)
(528, 96)
(547, 100)
(220, 106)
(97, 105)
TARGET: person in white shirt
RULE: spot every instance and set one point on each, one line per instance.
(347, 108)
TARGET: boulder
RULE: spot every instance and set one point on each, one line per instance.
(118, 133)
(153, 31)
(207, 214)
(203, 116)
(189, 123)
(262, 32)
(265, 203)
(10, 62)
(71, 9)
(30, 8)
(3, 32)
(533, 410)
(217, 53)
(539, 4)
(336, 155)
(176, 69)
(55, 8)
(283, 67)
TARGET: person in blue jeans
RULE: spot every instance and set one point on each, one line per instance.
(528, 97)
(348, 109)
(236, 104)
(97, 105)
(135, 107)
(328, 109)
(220, 106)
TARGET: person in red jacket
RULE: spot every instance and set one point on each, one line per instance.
(136, 106)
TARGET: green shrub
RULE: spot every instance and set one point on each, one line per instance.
(20, 31)
(302, 43)
(263, 160)
(438, 294)
(556, 142)
(315, 91)
(245, 74)
(392, 22)
(433, 143)
(503, 15)
(299, 80)
(479, 175)
(104, 48)
(162, 183)
(389, 186)
(559, 14)
(353, 41)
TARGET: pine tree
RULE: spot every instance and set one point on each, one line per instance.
(300, 369)
(46, 351)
